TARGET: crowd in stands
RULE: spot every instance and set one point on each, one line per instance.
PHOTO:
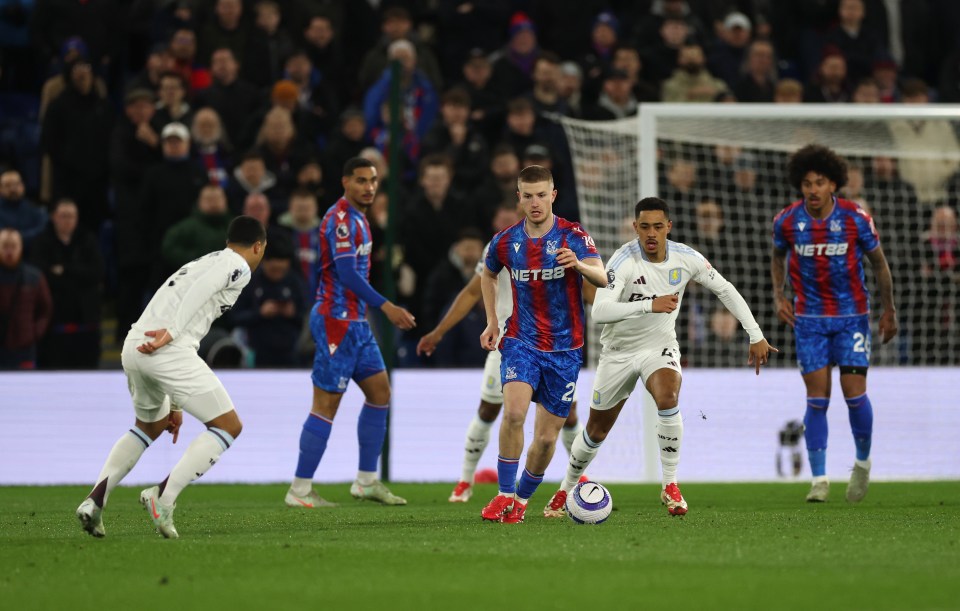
(132, 131)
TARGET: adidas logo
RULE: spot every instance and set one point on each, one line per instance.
(640, 280)
(668, 449)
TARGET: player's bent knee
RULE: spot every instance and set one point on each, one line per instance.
(229, 422)
(598, 431)
(487, 411)
(544, 441)
(377, 398)
(513, 417)
(667, 400)
(153, 429)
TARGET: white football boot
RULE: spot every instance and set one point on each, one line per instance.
(819, 491)
(310, 501)
(376, 492)
(859, 482)
(91, 518)
(161, 516)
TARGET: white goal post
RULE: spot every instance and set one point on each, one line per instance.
(722, 170)
(728, 161)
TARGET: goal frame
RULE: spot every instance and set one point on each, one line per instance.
(650, 113)
(646, 128)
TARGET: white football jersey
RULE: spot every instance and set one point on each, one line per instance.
(193, 297)
(504, 307)
(634, 282)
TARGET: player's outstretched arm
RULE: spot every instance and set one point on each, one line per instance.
(731, 299)
(488, 285)
(590, 268)
(888, 319)
(461, 306)
(778, 273)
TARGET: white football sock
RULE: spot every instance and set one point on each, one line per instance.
(669, 436)
(121, 459)
(366, 478)
(568, 434)
(478, 436)
(582, 452)
(202, 453)
(301, 486)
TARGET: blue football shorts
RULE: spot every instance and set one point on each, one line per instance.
(552, 375)
(346, 350)
(832, 340)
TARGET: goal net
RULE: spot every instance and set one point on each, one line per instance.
(722, 169)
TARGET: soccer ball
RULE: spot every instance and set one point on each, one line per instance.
(589, 503)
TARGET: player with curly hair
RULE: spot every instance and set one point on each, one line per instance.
(820, 242)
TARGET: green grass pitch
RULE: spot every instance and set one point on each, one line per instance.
(742, 546)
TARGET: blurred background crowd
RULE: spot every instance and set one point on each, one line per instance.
(132, 131)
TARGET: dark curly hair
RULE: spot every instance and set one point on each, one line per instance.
(819, 159)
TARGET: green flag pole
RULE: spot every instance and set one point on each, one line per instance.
(389, 286)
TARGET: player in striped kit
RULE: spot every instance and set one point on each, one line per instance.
(491, 389)
(646, 279)
(346, 349)
(541, 348)
(820, 242)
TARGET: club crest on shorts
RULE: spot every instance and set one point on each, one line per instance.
(491, 381)
(511, 373)
(674, 276)
(596, 397)
(342, 383)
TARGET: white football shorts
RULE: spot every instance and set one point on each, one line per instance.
(618, 373)
(179, 374)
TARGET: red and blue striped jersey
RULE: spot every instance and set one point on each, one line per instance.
(547, 299)
(825, 257)
(344, 232)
